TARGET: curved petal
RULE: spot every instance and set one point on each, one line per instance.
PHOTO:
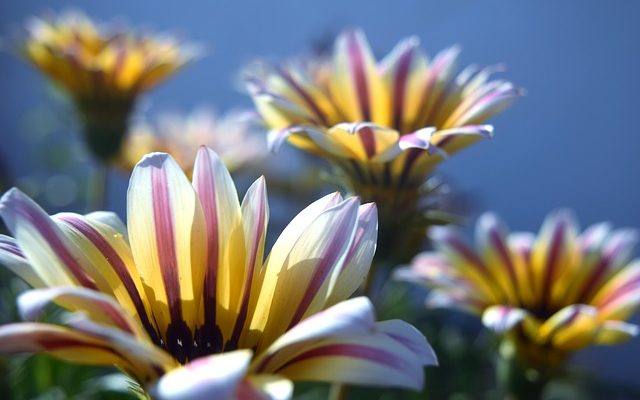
(343, 344)
(571, 328)
(225, 255)
(356, 86)
(77, 346)
(614, 332)
(110, 258)
(255, 215)
(502, 319)
(166, 230)
(101, 308)
(12, 257)
(554, 257)
(217, 376)
(265, 282)
(302, 282)
(359, 257)
(41, 242)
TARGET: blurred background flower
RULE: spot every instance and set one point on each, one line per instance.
(104, 69)
(383, 125)
(547, 296)
(233, 136)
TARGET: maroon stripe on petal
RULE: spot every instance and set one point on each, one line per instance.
(255, 244)
(308, 100)
(399, 87)
(206, 194)
(326, 263)
(368, 140)
(118, 265)
(359, 75)
(11, 247)
(503, 252)
(552, 261)
(631, 285)
(45, 228)
(368, 353)
(165, 241)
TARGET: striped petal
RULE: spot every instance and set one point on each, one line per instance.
(265, 282)
(450, 243)
(78, 345)
(452, 140)
(106, 248)
(554, 256)
(255, 214)
(42, 242)
(360, 255)
(12, 257)
(303, 272)
(571, 328)
(403, 70)
(166, 230)
(619, 297)
(343, 344)
(100, 308)
(225, 262)
(361, 141)
(356, 86)
(217, 376)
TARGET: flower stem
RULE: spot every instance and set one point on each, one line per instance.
(98, 188)
(338, 391)
(516, 380)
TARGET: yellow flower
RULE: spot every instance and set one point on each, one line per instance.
(182, 300)
(102, 68)
(231, 136)
(385, 125)
(552, 294)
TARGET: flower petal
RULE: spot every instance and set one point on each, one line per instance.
(343, 344)
(356, 86)
(216, 376)
(225, 262)
(358, 261)
(101, 308)
(265, 387)
(110, 258)
(501, 319)
(571, 328)
(42, 242)
(614, 332)
(306, 269)
(12, 257)
(166, 230)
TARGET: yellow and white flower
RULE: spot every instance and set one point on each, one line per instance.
(102, 68)
(385, 124)
(181, 299)
(232, 136)
(552, 294)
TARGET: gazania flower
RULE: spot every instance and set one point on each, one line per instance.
(102, 68)
(182, 301)
(552, 294)
(384, 124)
(231, 136)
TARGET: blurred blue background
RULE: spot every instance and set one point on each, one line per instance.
(572, 141)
